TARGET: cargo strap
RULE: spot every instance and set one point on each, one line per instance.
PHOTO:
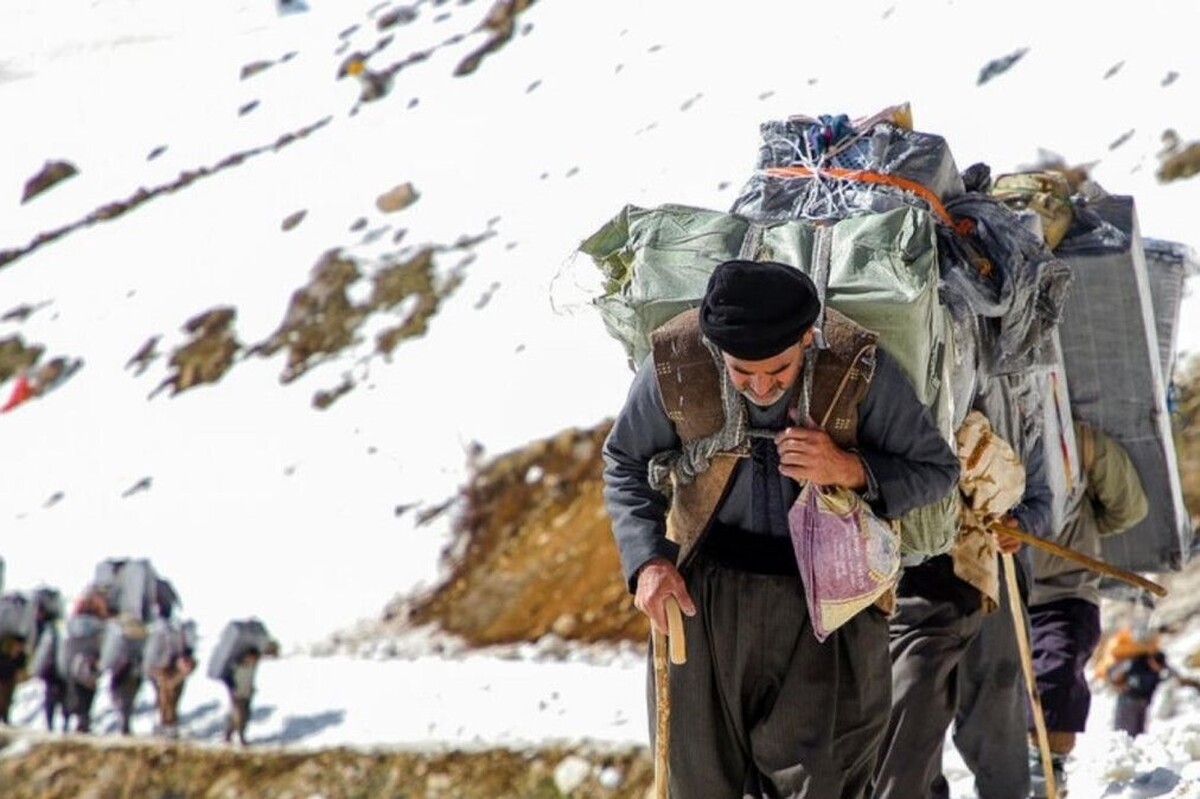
(963, 225)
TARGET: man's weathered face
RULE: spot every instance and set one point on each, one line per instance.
(766, 382)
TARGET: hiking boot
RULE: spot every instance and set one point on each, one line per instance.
(1037, 775)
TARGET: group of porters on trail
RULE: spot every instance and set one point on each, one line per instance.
(124, 625)
(895, 429)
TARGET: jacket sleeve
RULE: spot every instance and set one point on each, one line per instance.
(1035, 510)
(909, 461)
(638, 511)
(1114, 488)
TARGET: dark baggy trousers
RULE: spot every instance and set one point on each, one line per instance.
(760, 700)
(1065, 633)
(54, 699)
(990, 728)
(8, 687)
(929, 638)
(79, 699)
(951, 664)
(124, 690)
(1130, 713)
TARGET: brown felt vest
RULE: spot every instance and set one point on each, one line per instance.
(689, 381)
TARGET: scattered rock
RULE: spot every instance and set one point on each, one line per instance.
(397, 199)
(141, 485)
(51, 174)
(571, 773)
(1113, 70)
(255, 67)
(1124, 137)
(998, 66)
(292, 220)
(156, 152)
(145, 355)
(16, 356)
(486, 297)
(609, 778)
(500, 22)
(359, 224)
(397, 16)
(1170, 78)
(18, 314)
(1176, 161)
(320, 319)
(565, 625)
(209, 354)
(326, 397)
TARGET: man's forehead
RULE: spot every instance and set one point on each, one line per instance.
(779, 363)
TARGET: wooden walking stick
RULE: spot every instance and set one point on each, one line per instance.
(674, 641)
(1026, 652)
(1088, 561)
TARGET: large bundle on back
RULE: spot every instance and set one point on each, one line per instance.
(831, 167)
(15, 617)
(879, 270)
(122, 644)
(167, 640)
(238, 638)
(23, 615)
(860, 208)
(1115, 365)
(1168, 265)
(129, 587)
(1009, 293)
(79, 648)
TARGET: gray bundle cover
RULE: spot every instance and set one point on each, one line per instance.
(1168, 265)
(1111, 353)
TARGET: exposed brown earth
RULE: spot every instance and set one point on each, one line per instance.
(79, 769)
(540, 557)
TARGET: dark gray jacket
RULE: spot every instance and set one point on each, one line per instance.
(908, 461)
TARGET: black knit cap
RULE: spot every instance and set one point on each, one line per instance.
(754, 310)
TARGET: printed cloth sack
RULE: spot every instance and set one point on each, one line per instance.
(992, 482)
(848, 556)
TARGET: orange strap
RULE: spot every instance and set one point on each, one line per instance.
(963, 225)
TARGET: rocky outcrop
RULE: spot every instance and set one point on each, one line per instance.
(539, 556)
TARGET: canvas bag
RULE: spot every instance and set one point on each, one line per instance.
(80, 645)
(130, 586)
(848, 557)
(14, 616)
(167, 640)
(122, 644)
(236, 639)
(882, 273)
